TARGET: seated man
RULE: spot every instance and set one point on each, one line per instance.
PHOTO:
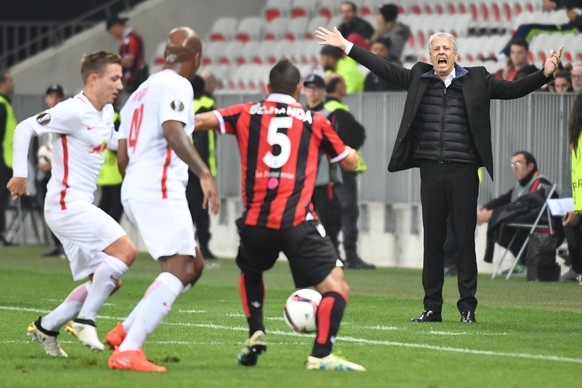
(522, 204)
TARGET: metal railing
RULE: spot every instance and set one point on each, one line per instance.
(21, 39)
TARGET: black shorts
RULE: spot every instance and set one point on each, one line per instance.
(310, 253)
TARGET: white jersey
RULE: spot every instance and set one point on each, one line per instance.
(154, 170)
(82, 134)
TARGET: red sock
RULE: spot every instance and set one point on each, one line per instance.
(329, 315)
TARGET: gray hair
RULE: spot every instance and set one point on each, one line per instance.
(445, 35)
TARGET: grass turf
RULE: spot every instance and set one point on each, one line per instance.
(528, 334)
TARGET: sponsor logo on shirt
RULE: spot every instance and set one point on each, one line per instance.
(176, 105)
(43, 118)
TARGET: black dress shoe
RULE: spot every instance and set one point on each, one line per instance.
(428, 316)
(468, 317)
(357, 263)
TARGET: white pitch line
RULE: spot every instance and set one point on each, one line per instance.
(355, 340)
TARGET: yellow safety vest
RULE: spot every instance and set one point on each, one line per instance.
(207, 104)
(332, 106)
(8, 133)
(577, 176)
(110, 175)
(348, 68)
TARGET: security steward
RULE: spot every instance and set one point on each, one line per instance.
(205, 143)
(110, 181)
(7, 126)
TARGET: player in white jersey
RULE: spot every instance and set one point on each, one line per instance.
(154, 154)
(96, 246)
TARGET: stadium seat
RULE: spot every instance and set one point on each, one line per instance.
(157, 60)
(266, 52)
(281, 51)
(275, 29)
(276, 8)
(298, 51)
(223, 29)
(302, 8)
(317, 21)
(334, 22)
(212, 51)
(250, 53)
(249, 28)
(231, 53)
(329, 8)
(296, 28)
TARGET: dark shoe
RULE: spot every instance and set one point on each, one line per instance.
(206, 252)
(357, 263)
(428, 316)
(468, 317)
(56, 251)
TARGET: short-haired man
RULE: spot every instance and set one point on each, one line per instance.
(154, 154)
(131, 50)
(528, 180)
(519, 58)
(279, 144)
(373, 83)
(353, 27)
(332, 60)
(96, 246)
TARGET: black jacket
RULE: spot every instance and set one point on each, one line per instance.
(478, 87)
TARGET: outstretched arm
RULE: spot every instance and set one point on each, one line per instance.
(377, 65)
(180, 143)
(206, 121)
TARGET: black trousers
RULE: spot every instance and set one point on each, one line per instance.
(347, 199)
(200, 216)
(110, 201)
(327, 209)
(449, 189)
(574, 240)
(5, 175)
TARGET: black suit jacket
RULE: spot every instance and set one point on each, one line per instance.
(478, 87)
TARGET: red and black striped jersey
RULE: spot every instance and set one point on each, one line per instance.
(279, 144)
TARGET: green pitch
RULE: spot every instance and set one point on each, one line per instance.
(527, 335)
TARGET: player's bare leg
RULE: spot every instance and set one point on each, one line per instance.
(179, 272)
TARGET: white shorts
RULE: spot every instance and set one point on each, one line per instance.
(164, 224)
(85, 231)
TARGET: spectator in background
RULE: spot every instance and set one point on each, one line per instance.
(519, 59)
(571, 221)
(529, 31)
(520, 204)
(388, 27)
(7, 126)
(576, 77)
(209, 83)
(561, 83)
(54, 94)
(205, 144)
(131, 51)
(110, 178)
(373, 83)
(345, 190)
(353, 27)
(332, 61)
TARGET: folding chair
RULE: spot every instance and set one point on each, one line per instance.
(532, 228)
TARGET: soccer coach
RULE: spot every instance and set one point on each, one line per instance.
(446, 132)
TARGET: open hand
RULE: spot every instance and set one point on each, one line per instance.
(551, 64)
(331, 38)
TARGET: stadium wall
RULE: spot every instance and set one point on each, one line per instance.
(390, 216)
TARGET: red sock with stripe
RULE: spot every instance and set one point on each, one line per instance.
(328, 318)
(252, 294)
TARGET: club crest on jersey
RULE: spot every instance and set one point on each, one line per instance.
(176, 105)
(43, 118)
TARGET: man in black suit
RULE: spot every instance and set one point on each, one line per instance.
(446, 132)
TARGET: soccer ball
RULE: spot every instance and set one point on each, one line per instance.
(300, 310)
